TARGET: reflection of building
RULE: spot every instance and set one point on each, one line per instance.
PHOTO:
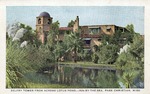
(91, 34)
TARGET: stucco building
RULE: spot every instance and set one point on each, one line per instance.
(91, 34)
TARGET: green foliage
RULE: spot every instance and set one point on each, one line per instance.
(108, 53)
(130, 27)
(85, 55)
(55, 26)
(21, 60)
(95, 58)
(53, 37)
(106, 79)
(53, 41)
(131, 32)
(128, 78)
(35, 56)
(71, 23)
(74, 44)
(132, 60)
(134, 57)
(137, 47)
(59, 50)
(22, 25)
(112, 39)
(16, 65)
(30, 35)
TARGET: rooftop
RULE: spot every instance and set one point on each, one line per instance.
(44, 14)
(65, 28)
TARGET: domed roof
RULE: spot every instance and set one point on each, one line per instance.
(44, 14)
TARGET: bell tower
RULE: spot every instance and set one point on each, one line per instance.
(43, 22)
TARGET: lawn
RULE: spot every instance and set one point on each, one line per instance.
(86, 64)
(40, 85)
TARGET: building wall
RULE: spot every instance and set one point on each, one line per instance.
(94, 41)
(46, 28)
(76, 25)
(43, 26)
(105, 31)
(85, 31)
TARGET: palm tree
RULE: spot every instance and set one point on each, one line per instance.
(128, 79)
(74, 44)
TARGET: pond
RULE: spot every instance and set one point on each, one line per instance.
(82, 77)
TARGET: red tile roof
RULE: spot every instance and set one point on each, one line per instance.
(66, 28)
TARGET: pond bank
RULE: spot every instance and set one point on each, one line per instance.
(87, 65)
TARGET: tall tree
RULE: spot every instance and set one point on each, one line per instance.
(53, 35)
(132, 60)
(71, 23)
(108, 53)
(74, 44)
(130, 27)
(134, 56)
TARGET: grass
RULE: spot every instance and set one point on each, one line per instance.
(40, 85)
(87, 64)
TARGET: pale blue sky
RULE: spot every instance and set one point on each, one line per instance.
(88, 15)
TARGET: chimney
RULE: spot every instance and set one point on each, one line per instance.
(76, 25)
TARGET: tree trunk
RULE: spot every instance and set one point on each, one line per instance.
(74, 56)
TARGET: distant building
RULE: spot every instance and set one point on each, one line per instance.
(91, 34)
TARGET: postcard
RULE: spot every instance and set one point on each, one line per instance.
(75, 48)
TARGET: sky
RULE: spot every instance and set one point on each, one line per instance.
(88, 15)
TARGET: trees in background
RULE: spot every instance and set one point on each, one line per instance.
(108, 50)
(108, 53)
(132, 60)
(30, 35)
(71, 23)
(73, 43)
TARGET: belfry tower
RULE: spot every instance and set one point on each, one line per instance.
(43, 22)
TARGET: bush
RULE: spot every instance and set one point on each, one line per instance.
(95, 58)
(108, 53)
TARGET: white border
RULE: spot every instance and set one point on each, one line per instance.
(3, 4)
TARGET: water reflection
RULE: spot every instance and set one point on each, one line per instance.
(83, 78)
(86, 78)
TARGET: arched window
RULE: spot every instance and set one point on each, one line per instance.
(39, 21)
(49, 21)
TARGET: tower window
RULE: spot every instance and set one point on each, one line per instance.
(39, 21)
(49, 21)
